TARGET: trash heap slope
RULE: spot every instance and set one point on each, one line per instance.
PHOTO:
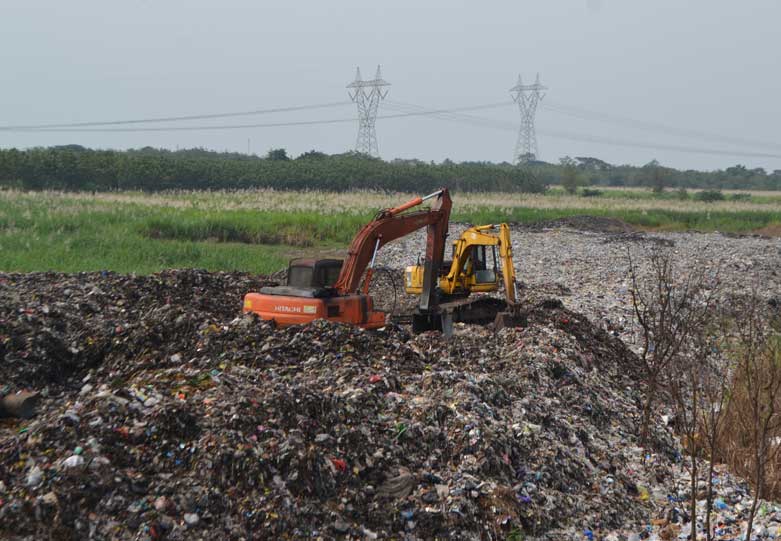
(54, 326)
(167, 416)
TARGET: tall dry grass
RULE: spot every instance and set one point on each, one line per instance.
(363, 201)
(754, 405)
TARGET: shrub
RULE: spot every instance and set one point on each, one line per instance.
(570, 180)
(709, 196)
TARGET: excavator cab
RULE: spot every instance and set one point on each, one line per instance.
(313, 273)
(312, 278)
(474, 267)
(480, 272)
(482, 269)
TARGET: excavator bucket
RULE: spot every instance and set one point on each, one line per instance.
(510, 318)
(439, 321)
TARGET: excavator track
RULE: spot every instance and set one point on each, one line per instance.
(474, 311)
(469, 310)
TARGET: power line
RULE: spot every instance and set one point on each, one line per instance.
(654, 146)
(258, 125)
(604, 117)
(174, 118)
(585, 114)
(587, 138)
(575, 112)
(217, 127)
(452, 114)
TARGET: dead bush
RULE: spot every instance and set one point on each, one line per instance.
(750, 437)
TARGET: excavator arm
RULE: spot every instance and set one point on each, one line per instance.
(508, 269)
(391, 224)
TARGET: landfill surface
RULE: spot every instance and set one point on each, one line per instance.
(584, 262)
(165, 414)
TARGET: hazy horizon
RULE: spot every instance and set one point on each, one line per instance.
(704, 66)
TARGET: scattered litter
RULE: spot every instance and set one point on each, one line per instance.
(162, 410)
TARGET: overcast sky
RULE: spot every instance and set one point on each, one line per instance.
(707, 66)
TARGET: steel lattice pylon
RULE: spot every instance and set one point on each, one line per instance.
(367, 94)
(527, 97)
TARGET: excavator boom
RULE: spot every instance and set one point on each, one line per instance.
(390, 225)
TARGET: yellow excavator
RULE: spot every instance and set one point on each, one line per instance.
(475, 269)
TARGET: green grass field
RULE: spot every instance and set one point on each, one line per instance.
(259, 231)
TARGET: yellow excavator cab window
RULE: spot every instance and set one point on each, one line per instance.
(484, 273)
(478, 253)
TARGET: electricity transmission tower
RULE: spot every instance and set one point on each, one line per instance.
(527, 97)
(367, 94)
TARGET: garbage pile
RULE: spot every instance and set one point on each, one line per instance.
(165, 414)
(54, 326)
(730, 508)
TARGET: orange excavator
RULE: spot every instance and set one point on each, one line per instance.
(329, 288)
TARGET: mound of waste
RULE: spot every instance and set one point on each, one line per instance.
(54, 326)
(166, 416)
(597, 224)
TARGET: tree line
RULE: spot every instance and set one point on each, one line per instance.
(75, 168)
(588, 171)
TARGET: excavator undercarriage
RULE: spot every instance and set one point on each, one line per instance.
(470, 310)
